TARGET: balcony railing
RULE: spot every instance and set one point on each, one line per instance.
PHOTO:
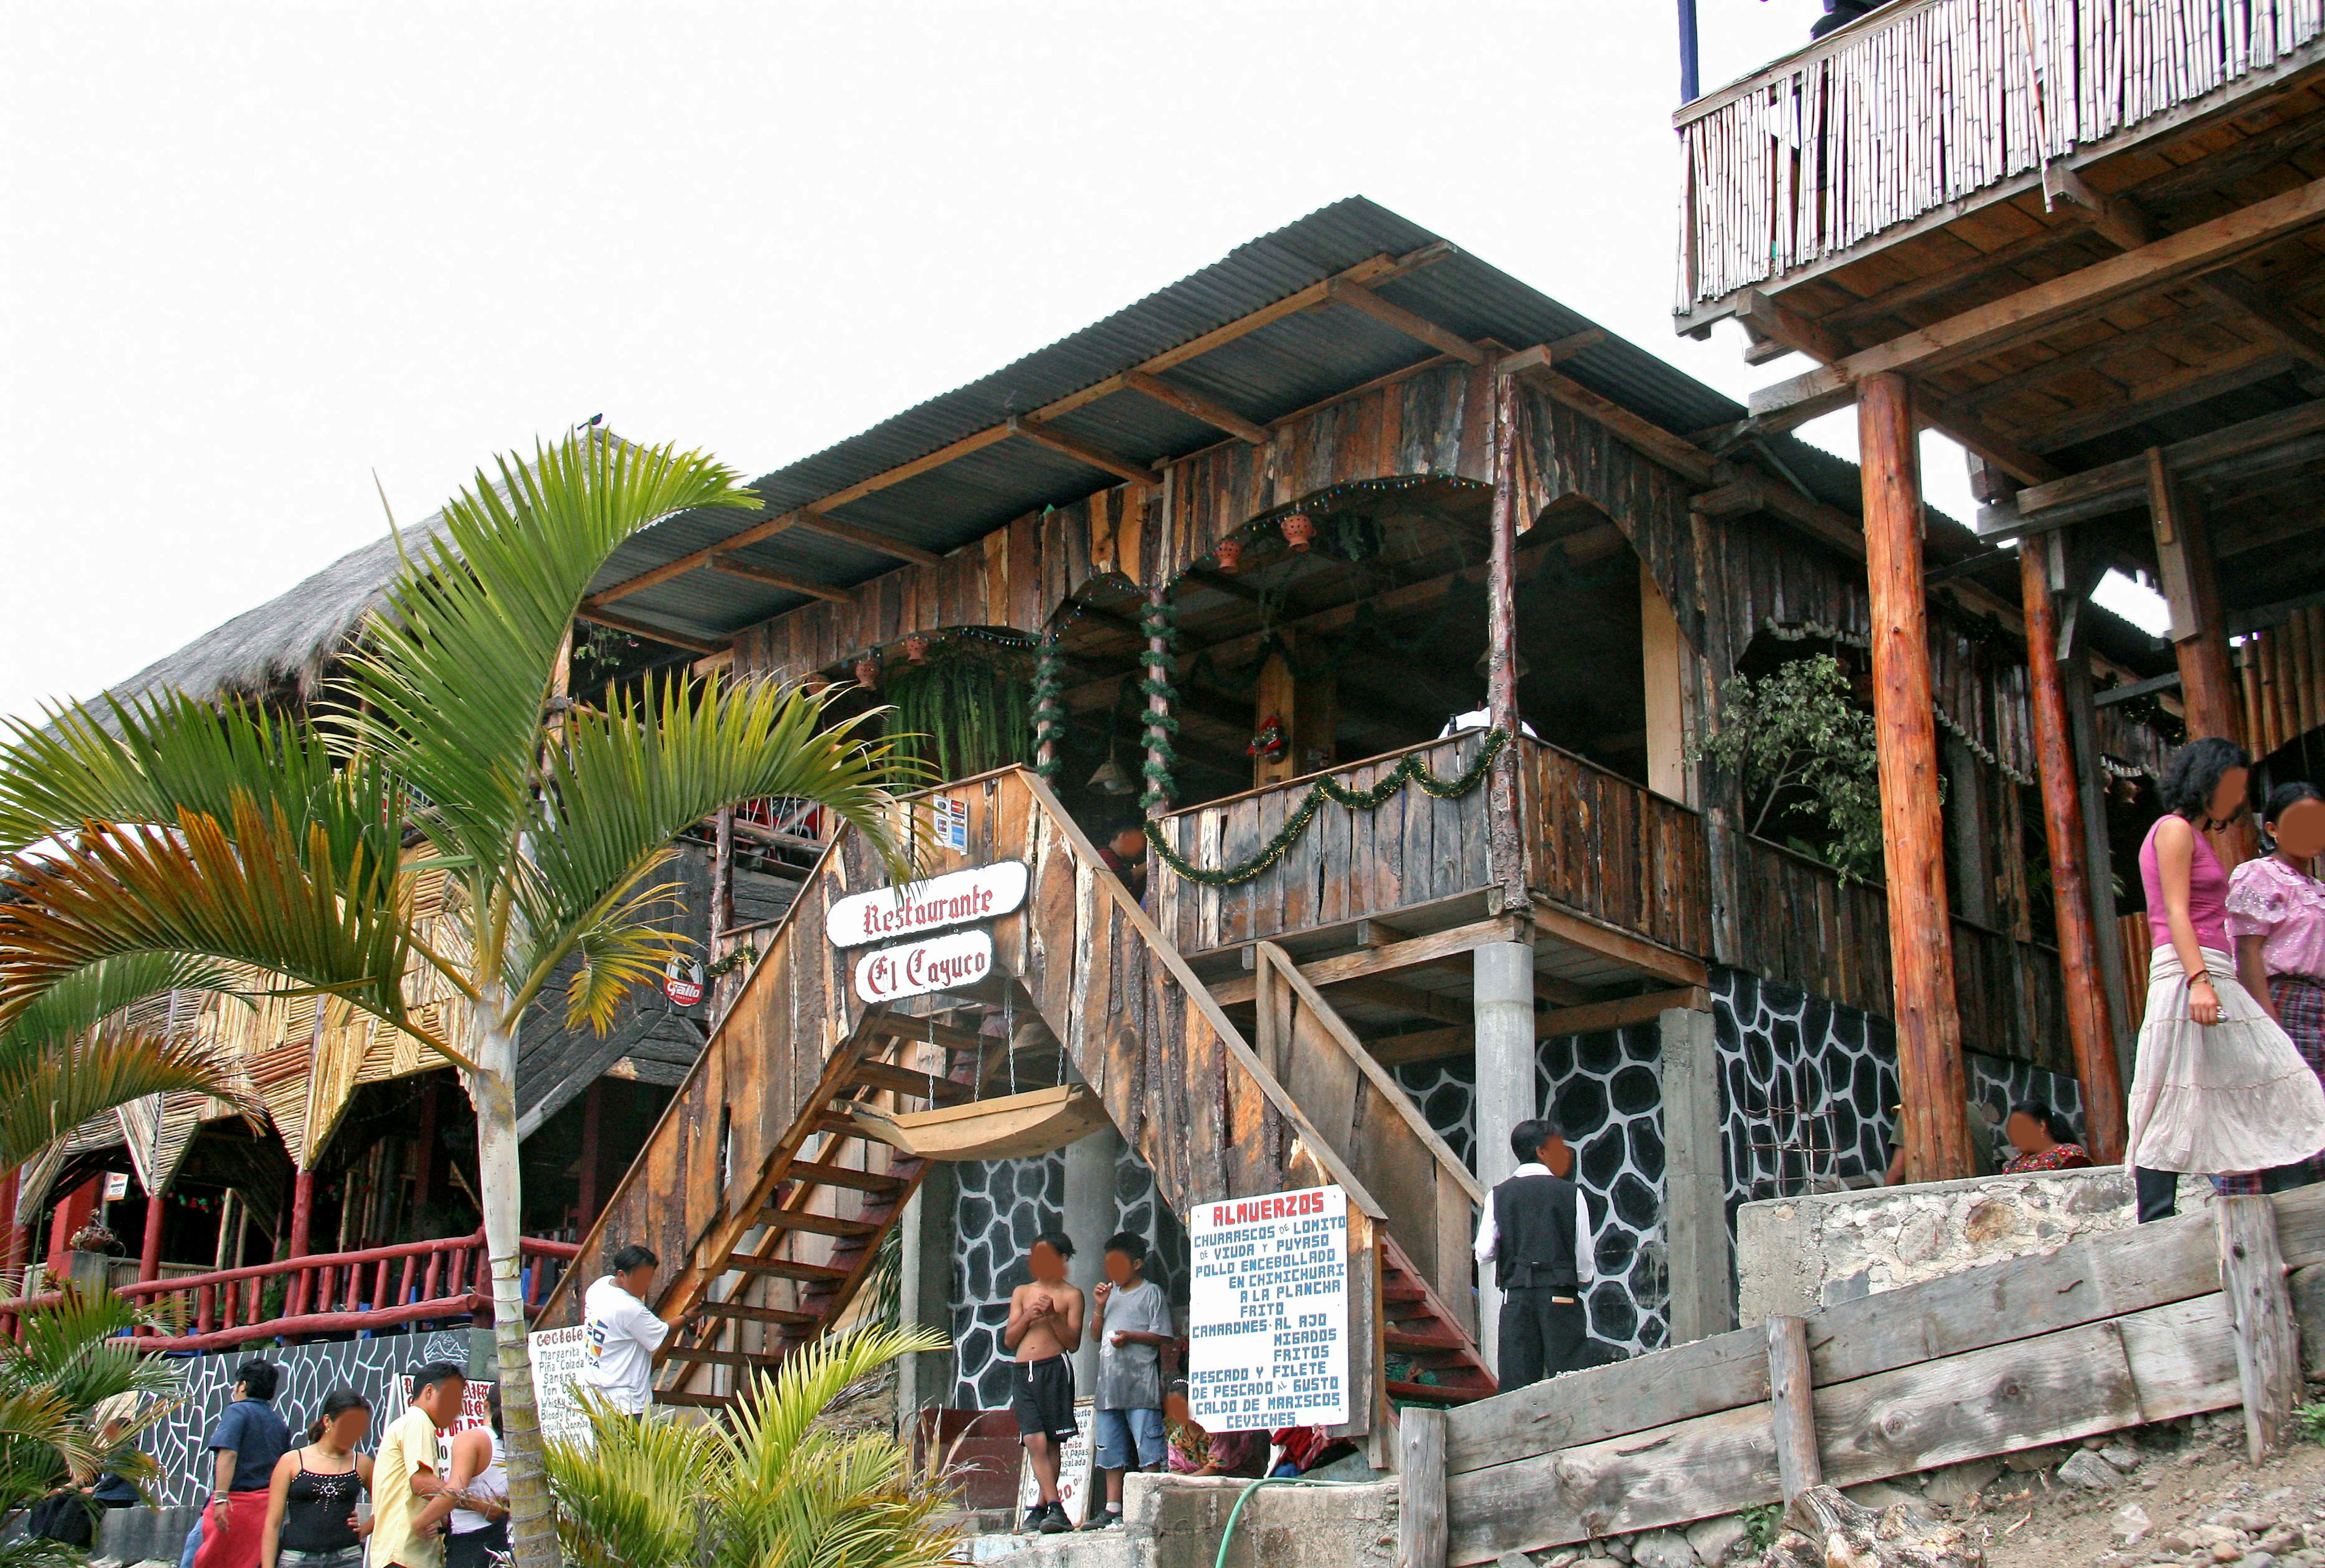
(1929, 102)
(331, 1292)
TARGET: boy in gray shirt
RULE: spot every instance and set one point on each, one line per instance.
(1133, 1324)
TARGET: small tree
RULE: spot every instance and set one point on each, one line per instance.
(1800, 751)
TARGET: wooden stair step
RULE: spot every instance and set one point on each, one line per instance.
(1399, 1338)
(1435, 1393)
(904, 1081)
(711, 1357)
(786, 1268)
(817, 1173)
(744, 1312)
(817, 1224)
(692, 1401)
(1390, 1289)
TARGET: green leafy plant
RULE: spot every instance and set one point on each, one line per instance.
(2312, 1417)
(278, 840)
(775, 1489)
(1763, 1525)
(965, 711)
(1801, 754)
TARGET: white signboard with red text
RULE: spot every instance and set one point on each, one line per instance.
(920, 908)
(951, 963)
(1267, 1321)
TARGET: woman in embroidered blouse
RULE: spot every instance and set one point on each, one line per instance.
(2276, 917)
(2042, 1141)
(2218, 1088)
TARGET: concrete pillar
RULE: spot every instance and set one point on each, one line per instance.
(924, 1294)
(1695, 1187)
(1090, 1216)
(1503, 997)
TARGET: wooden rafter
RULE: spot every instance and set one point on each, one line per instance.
(690, 643)
(731, 567)
(1373, 269)
(2113, 487)
(1195, 405)
(1356, 296)
(2033, 311)
(809, 520)
(1082, 451)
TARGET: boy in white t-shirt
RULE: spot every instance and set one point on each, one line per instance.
(624, 1332)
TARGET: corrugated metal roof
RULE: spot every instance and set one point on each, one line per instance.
(1288, 365)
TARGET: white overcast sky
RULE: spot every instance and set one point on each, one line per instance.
(251, 253)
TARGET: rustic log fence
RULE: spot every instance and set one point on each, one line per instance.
(2141, 1325)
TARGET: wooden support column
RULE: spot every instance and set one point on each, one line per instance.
(2090, 1026)
(1420, 1516)
(1695, 1166)
(2098, 857)
(1158, 709)
(1663, 654)
(2260, 1308)
(593, 1112)
(2188, 574)
(227, 1256)
(722, 875)
(149, 1252)
(1921, 941)
(303, 1217)
(1505, 843)
(1792, 1405)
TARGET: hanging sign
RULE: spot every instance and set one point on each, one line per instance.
(1267, 1320)
(683, 987)
(954, 899)
(941, 963)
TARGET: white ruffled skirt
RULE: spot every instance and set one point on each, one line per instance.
(2230, 1097)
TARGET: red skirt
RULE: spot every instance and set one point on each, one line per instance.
(234, 1545)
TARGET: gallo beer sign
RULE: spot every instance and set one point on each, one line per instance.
(954, 899)
(942, 963)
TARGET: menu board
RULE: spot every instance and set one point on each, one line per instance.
(1268, 1311)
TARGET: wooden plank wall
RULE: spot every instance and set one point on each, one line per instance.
(1598, 843)
(1181, 1083)
(1414, 849)
(2114, 1331)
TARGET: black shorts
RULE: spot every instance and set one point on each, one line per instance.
(1041, 1398)
(469, 1550)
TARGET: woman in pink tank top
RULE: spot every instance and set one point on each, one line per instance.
(2218, 1088)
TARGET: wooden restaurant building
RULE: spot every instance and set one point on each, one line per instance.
(2081, 239)
(1394, 602)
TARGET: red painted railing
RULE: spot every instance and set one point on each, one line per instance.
(329, 1292)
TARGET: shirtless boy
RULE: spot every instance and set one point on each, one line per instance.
(1043, 1330)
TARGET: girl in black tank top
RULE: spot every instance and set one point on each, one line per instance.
(311, 1505)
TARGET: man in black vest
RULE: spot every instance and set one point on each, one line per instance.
(1536, 1231)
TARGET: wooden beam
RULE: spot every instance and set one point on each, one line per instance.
(731, 567)
(1673, 452)
(1396, 318)
(1082, 451)
(1542, 355)
(2033, 311)
(2114, 487)
(2244, 366)
(1648, 957)
(2117, 220)
(1405, 999)
(1381, 960)
(1596, 1017)
(691, 644)
(1194, 404)
(809, 520)
(2265, 313)
(1372, 269)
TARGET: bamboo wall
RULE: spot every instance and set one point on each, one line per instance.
(2281, 670)
(1879, 125)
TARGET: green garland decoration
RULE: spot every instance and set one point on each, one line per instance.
(1412, 770)
(746, 953)
(1160, 624)
(1050, 709)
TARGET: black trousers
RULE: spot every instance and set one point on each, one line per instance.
(1540, 1337)
(2159, 1193)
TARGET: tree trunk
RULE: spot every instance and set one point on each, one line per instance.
(533, 1530)
(1823, 1529)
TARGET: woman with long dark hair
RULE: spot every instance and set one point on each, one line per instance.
(2218, 1088)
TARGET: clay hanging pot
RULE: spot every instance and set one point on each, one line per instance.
(1230, 556)
(1300, 531)
(916, 648)
(867, 672)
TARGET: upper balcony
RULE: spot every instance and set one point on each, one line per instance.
(1926, 114)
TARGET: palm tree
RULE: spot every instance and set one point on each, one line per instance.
(292, 843)
(776, 1491)
(77, 1052)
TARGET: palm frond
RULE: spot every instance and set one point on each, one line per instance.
(780, 1408)
(452, 684)
(839, 1503)
(86, 997)
(634, 1496)
(80, 1350)
(167, 752)
(48, 1089)
(625, 946)
(246, 895)
(626, 782)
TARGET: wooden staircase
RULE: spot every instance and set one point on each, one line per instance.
(757, 1190)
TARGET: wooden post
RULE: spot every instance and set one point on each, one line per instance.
(1921, 940)
(1792, 1405)
(1695, 1167)
(722, 878)
(1505, 845)
(2188, 574)
(302, 1215)
(2260, 1309)
(1421, 1527)
(227, 1255)
(149, 1253)
(593, 1110)
(1663, 656)
(72, 1212)
(2090, 1027)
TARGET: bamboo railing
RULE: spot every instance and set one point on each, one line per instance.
(1926, 104)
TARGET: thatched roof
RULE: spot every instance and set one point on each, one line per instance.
(293, 639)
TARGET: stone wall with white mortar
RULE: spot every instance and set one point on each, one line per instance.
(1795, 1255)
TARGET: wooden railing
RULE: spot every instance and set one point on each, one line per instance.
(1598, 843)
(1927, 104)
(1348, 865)
(331, 1292)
